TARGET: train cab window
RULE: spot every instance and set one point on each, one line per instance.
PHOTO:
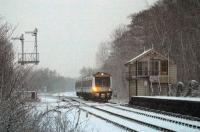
(102, 81)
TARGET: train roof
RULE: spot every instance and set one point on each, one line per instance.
(101, 74)
(97, 74)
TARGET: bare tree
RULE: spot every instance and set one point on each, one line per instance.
(86, 71)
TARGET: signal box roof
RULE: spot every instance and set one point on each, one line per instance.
(145, 53)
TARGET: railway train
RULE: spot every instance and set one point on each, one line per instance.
(95, 87)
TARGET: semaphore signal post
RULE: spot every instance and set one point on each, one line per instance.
(28, 58)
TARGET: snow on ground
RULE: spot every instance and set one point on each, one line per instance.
(119, 101)
(94, 124)
(69, 94)
(127, 123)
(88, 123)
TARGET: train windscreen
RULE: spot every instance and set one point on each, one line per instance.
(102, 81)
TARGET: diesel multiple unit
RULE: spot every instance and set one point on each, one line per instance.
(96, 86)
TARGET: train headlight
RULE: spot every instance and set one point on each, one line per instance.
(94, 89)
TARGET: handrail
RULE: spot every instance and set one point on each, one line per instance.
(28, 57)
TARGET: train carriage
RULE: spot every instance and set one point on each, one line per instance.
(96, 86)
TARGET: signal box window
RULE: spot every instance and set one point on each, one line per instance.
(142, 68)
(154, 67)
(164, 67)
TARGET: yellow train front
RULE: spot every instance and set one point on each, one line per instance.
(95, 87)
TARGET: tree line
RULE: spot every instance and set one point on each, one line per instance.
(46, 80)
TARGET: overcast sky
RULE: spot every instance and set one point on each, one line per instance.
(69, 30)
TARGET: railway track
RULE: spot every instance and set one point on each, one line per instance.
(181, 120)
(144, 119)
(131, 125)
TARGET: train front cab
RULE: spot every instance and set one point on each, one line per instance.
(95, 87)
(101, 95)
(101, 86)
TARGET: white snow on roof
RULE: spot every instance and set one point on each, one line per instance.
(173, 98)
(140, 55)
